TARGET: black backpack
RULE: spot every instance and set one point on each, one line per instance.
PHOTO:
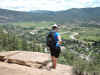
(51, 40)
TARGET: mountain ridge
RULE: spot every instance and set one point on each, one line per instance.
(71, 16)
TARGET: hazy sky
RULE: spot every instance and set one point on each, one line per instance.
(53, 5)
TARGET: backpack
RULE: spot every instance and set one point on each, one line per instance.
(51, 40)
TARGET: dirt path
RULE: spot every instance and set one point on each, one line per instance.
(73, 35)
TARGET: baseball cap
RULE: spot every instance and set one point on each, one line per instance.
(55, 25)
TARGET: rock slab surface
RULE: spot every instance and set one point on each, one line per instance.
(29, 63)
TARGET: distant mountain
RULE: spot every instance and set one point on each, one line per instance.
(42, 11)
(79, 15)
(16, 16)
(71, 16)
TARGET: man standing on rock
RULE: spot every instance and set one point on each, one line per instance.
(54, 42)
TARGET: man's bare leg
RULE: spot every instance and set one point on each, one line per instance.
(54, 59)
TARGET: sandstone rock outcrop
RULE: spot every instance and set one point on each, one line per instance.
(29, 63)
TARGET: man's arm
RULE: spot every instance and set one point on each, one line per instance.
(60, 40)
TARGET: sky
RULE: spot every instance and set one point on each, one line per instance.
(51, 5)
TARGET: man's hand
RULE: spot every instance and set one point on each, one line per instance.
(60, 42)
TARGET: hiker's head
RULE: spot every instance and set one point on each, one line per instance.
(55, 27)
